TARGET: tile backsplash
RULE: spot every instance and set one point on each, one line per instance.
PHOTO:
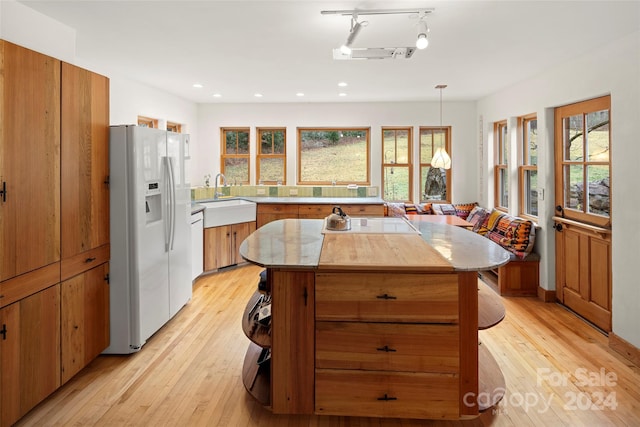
(203, 193)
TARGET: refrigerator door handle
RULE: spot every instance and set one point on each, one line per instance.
(172, 214)
(167, 204)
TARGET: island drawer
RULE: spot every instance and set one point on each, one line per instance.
(376, 297)
(379, 394)
(388, 347)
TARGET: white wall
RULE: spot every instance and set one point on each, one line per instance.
(459, 115)
(615, 70)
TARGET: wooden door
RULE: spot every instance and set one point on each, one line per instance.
(29, 160)
(85, 319)
(217, 244)
(85, 161)
(30, 358)
(583, 209)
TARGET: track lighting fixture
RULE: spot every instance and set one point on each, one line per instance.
(422, 42)
(353, 33)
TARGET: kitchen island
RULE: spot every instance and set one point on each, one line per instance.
(380, 320)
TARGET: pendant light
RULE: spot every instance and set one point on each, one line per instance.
(440, 158)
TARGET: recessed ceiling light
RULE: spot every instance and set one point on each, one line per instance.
(342, 84)
(257, 95)
(299, 94)
(217, 95)
(197, 85)
(342, 94)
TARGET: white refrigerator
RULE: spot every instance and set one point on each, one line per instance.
(150, 269)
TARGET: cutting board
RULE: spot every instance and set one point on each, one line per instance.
(402, 252)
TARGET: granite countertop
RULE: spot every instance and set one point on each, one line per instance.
(299, 243)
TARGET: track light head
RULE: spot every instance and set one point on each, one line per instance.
(422, 41)
(353, 33)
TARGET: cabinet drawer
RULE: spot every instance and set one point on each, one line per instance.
(388, 347)
(363, 210)
(375, 297)
(378, 394)
(280, 208)
(315, 211)
(85, 261)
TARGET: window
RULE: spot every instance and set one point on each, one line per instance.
(333, 156)
(528, 170)
(174, 127)
(583, 143)
(235, 155)
(272, 155)
(396, 164)
(501, 171)
(147, 122)
(435, 183)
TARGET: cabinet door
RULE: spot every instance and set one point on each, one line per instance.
(85, 319)
(30, 357)
(217, 244)
(240, 232)
(29, 160)
(85, 160)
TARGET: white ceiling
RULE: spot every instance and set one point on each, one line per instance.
(278, 48)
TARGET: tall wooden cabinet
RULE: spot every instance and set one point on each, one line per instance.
(54, 224)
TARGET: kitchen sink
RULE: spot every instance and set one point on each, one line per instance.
(225, 212)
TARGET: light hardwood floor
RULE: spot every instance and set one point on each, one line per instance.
(559, 371)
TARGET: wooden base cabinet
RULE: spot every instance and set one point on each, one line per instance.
(30, 356)
(222, 244)
(376, 344)
(85, 319)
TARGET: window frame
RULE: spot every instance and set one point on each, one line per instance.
(525, 165)
(366, 129)
(174, 127)
(224, 155)
(260, 156)
(580, 108)
(500, 163)
(395, 164)
(448, 172)
(147, 122)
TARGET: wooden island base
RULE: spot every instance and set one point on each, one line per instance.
(378, 325)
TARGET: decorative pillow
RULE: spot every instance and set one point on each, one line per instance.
(479, 217)
(396, 209)
(443, 209)
(410, 209)
(514, 234)
(463, 209)
(424, 208)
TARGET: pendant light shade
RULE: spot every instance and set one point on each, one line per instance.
(441, 159)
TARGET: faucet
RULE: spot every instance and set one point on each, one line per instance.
(215, 191)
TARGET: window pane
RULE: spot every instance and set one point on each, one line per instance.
(573, 138)
(598, 177)
(279, 142)
(243, 142)
(402, 139)
(271, 170)
(332, 155)
(266, 143)
(396, 183)
(504, 146)
(389, 145)
(573, 187)
(231, 142)
(597, 124)
(531, 192)
(426, 146)
(532, 141)
(237, 170)
(504, 187)
(433, 183)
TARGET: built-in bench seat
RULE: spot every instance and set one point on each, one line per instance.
(520, 276)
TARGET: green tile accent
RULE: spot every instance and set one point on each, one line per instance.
(362, 191)
(226, 191)
(273, 191)
(317, 191)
